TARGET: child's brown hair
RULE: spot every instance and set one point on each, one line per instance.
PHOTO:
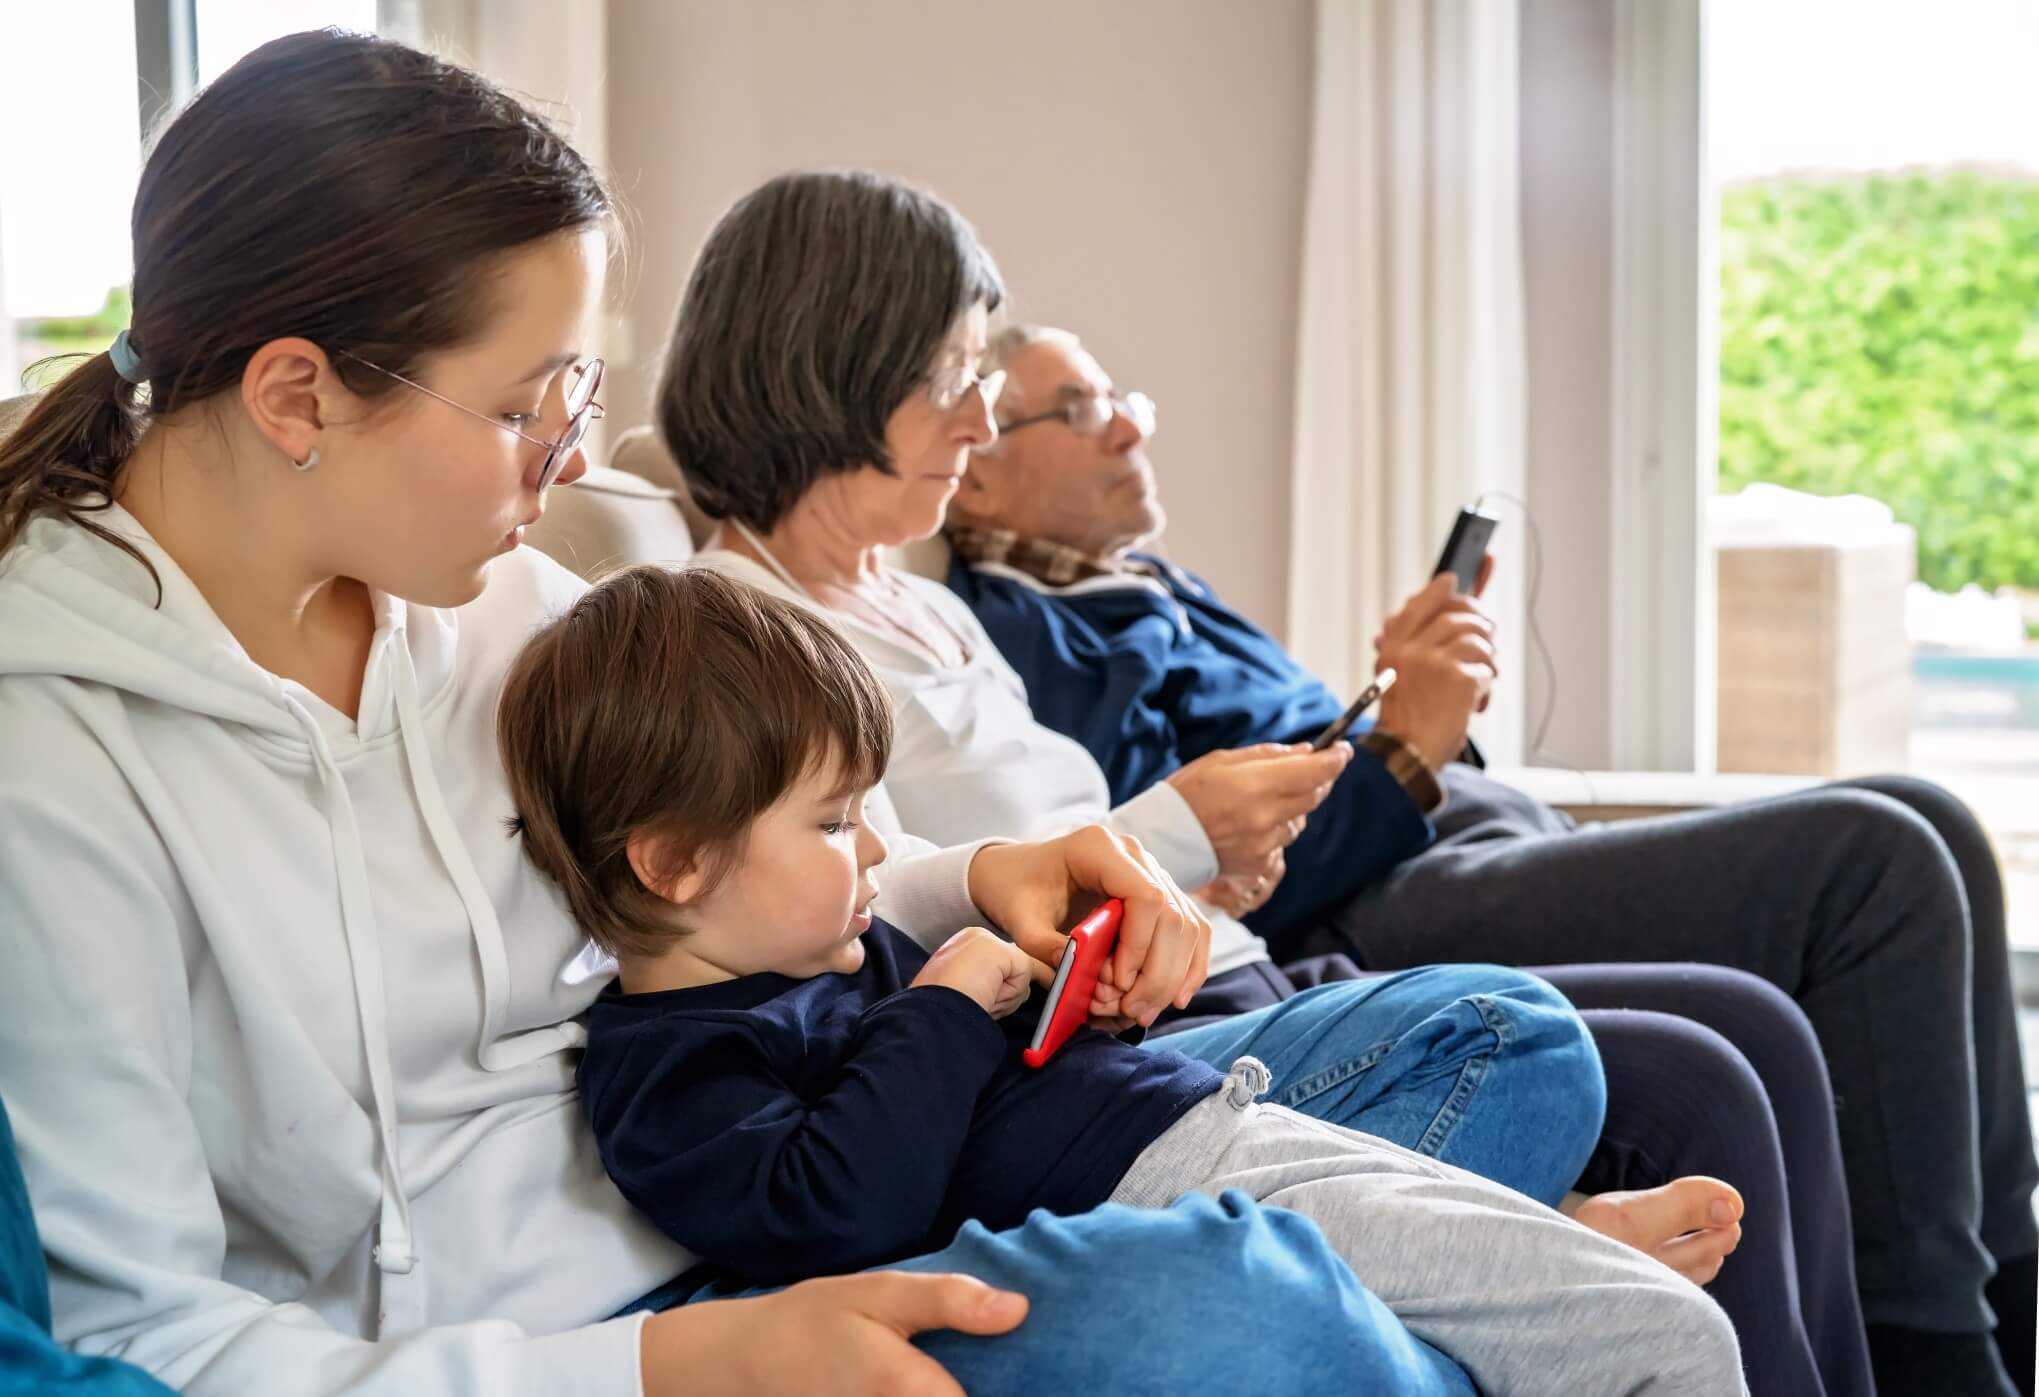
(680, 705)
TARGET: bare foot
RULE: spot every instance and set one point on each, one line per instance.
(1689, 1224)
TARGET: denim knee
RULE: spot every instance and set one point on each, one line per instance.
(1528, 1012)
(1210, 1295)
(1529, 1096)
(1549, 1065)
(1535, 1023)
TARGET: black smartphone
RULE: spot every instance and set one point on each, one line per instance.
(1368, 697)
(1466, 549)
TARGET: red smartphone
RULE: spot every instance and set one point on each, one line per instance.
(1068, 1006)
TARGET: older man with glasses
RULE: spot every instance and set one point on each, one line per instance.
(1877, 906)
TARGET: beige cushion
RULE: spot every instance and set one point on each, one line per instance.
(610, 519)
(641, 452)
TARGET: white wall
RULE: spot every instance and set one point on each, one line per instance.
(1136, 167)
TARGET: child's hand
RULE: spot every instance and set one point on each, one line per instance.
(988, 968)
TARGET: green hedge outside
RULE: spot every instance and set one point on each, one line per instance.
(82, 334)
(1879, 335)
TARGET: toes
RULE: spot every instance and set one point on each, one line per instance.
(1700, 1201)
(1707, 1274)
(1699, 1252)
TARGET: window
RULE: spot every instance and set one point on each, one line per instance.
(1877, 168)
(70, 148)
(227, 29)
(71, 124)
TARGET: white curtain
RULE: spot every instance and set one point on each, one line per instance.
(1410, 368)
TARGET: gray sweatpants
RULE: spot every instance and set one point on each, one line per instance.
(1524, 1299)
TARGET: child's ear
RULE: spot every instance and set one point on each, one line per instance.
(662, 869)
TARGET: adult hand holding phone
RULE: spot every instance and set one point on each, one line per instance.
(1441, 646)
(1254, 801)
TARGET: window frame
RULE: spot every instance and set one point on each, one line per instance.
(1664, 393)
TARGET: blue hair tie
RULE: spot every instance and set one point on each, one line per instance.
(126, 362)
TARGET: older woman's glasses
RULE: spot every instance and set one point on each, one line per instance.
(1090, 413)
(582, 411)
(946, 388)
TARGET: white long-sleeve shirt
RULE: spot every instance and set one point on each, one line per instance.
(969, 760)
(288, 1025)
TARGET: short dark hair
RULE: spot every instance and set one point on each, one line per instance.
(680, 704)
(816, 306)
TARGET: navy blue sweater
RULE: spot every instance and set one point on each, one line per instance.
(781, 1129)
(1149, 677)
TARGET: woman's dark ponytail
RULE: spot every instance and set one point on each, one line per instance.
(68, 449)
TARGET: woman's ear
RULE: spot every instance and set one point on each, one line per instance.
(663, 870)
(289, 389)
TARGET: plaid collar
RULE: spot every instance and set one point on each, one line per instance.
(1056, 564)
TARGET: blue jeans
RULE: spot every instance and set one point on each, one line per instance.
(1210, 1295)
(1482, 1067)
(1254, 1300)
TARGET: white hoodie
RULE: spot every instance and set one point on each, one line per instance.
(287, 1024)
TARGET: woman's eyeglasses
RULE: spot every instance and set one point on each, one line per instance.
(946, 388)
(581, 411)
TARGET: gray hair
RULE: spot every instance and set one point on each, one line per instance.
(1006, 344)
(817, 305)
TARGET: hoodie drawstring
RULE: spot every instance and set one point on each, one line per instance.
(495, 1052)
(400, 1305)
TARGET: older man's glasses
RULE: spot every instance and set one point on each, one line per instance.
(1088, 414)
(582, 411)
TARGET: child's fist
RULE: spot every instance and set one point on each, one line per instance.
(988, 968)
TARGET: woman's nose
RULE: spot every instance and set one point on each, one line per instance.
(979, 423)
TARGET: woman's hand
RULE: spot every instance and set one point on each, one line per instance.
(1239, 896)
(1035, 890)
(1253, 801)
(845, 1337)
